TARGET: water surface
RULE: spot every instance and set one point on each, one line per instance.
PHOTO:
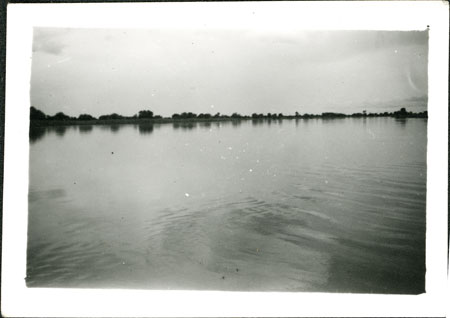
(290, 205)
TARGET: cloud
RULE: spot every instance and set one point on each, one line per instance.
(331, 46)
(49, 40)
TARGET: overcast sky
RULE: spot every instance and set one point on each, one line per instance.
(171, 71)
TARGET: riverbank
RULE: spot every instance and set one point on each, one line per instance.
(137, 121)
(123, 121)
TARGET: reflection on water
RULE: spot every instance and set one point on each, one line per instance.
(36, 133)
(185, 125)
(85, 128)
(236, 123)
(401, 121)
(205, 124)
(114, 127)
(59, 130)
(145, 128)
(308, 205)
(258, 121)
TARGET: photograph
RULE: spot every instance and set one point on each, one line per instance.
(234, 159)
(228, 160)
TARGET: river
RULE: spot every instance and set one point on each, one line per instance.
(309, 205)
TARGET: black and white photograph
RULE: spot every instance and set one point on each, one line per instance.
(230, 159)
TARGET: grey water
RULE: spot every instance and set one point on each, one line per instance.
(308, 205)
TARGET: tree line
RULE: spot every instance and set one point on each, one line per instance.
(36, 114)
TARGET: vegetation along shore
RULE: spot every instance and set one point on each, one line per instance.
(39, 118)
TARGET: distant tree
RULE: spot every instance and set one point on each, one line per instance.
(60, 116)
(254, 115)
(188, 115)
(236, 115)
(297, 114)
(364, 112)
(280, 115)
(174, 116)
(145, 114)
(86, 117)
(111, 116)
(332, 115)
(217, 115)
(401, 113)
(36, 114)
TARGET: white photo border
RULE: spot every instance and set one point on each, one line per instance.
(18, 300)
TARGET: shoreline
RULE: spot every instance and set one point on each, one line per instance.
(138, 121)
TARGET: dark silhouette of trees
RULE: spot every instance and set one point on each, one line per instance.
(401, 113)
(333, 115)
(273, 116)
(60, 116)
(86, 117)
(205, 116)
(145, 114)
(188, 115)
(36, 114)
(111, 116)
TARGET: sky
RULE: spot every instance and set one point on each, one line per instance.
(104, 71)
